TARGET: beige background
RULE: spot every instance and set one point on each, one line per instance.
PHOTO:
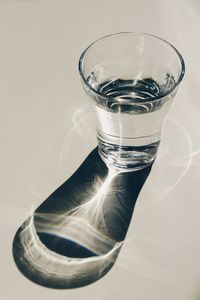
(45, 128)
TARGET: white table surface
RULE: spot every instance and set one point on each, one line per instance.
(46, 131)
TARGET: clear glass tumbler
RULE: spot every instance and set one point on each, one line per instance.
(132, 79)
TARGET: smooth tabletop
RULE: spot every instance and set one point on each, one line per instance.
(47, 130)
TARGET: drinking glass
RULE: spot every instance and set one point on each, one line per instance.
(131, 79)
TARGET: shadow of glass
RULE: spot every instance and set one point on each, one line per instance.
(74, 237)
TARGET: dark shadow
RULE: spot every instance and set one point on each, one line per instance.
(74, 237)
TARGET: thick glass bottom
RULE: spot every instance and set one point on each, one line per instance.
(127, 158)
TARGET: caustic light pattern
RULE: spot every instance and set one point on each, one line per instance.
(74, 237)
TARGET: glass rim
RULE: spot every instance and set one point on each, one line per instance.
(179, 56)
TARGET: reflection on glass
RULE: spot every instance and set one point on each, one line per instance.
(131, 79)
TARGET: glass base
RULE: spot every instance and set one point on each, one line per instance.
(127, 158)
